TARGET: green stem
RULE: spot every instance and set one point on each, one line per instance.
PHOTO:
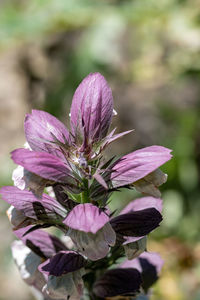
(85, 193)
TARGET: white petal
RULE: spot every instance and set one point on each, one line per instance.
(134, 249)
(65, 286)
(114, 113)
(27, 263)
(94, 246)
(17, 177)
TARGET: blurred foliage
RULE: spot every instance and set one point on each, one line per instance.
(149, 51)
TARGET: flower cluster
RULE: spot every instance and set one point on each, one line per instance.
(63, 180)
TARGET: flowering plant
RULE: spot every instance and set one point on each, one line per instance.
(63, 180)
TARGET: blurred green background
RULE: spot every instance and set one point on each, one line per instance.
(149, 52)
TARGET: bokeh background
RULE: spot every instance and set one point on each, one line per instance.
(149, 51)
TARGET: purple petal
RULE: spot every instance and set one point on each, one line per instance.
(86, 217)
(111, 137)
(62, 263)
(153, 259)
(40, 126)
(43, 164)
(100, 180)
(137, 223)
(40, 242)
(137, 205)
(131, 239)
(44, 209)
(92, 107)
(138, 164)
(143, 203)
(149, 265)
(118, 282)
(134, 263)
